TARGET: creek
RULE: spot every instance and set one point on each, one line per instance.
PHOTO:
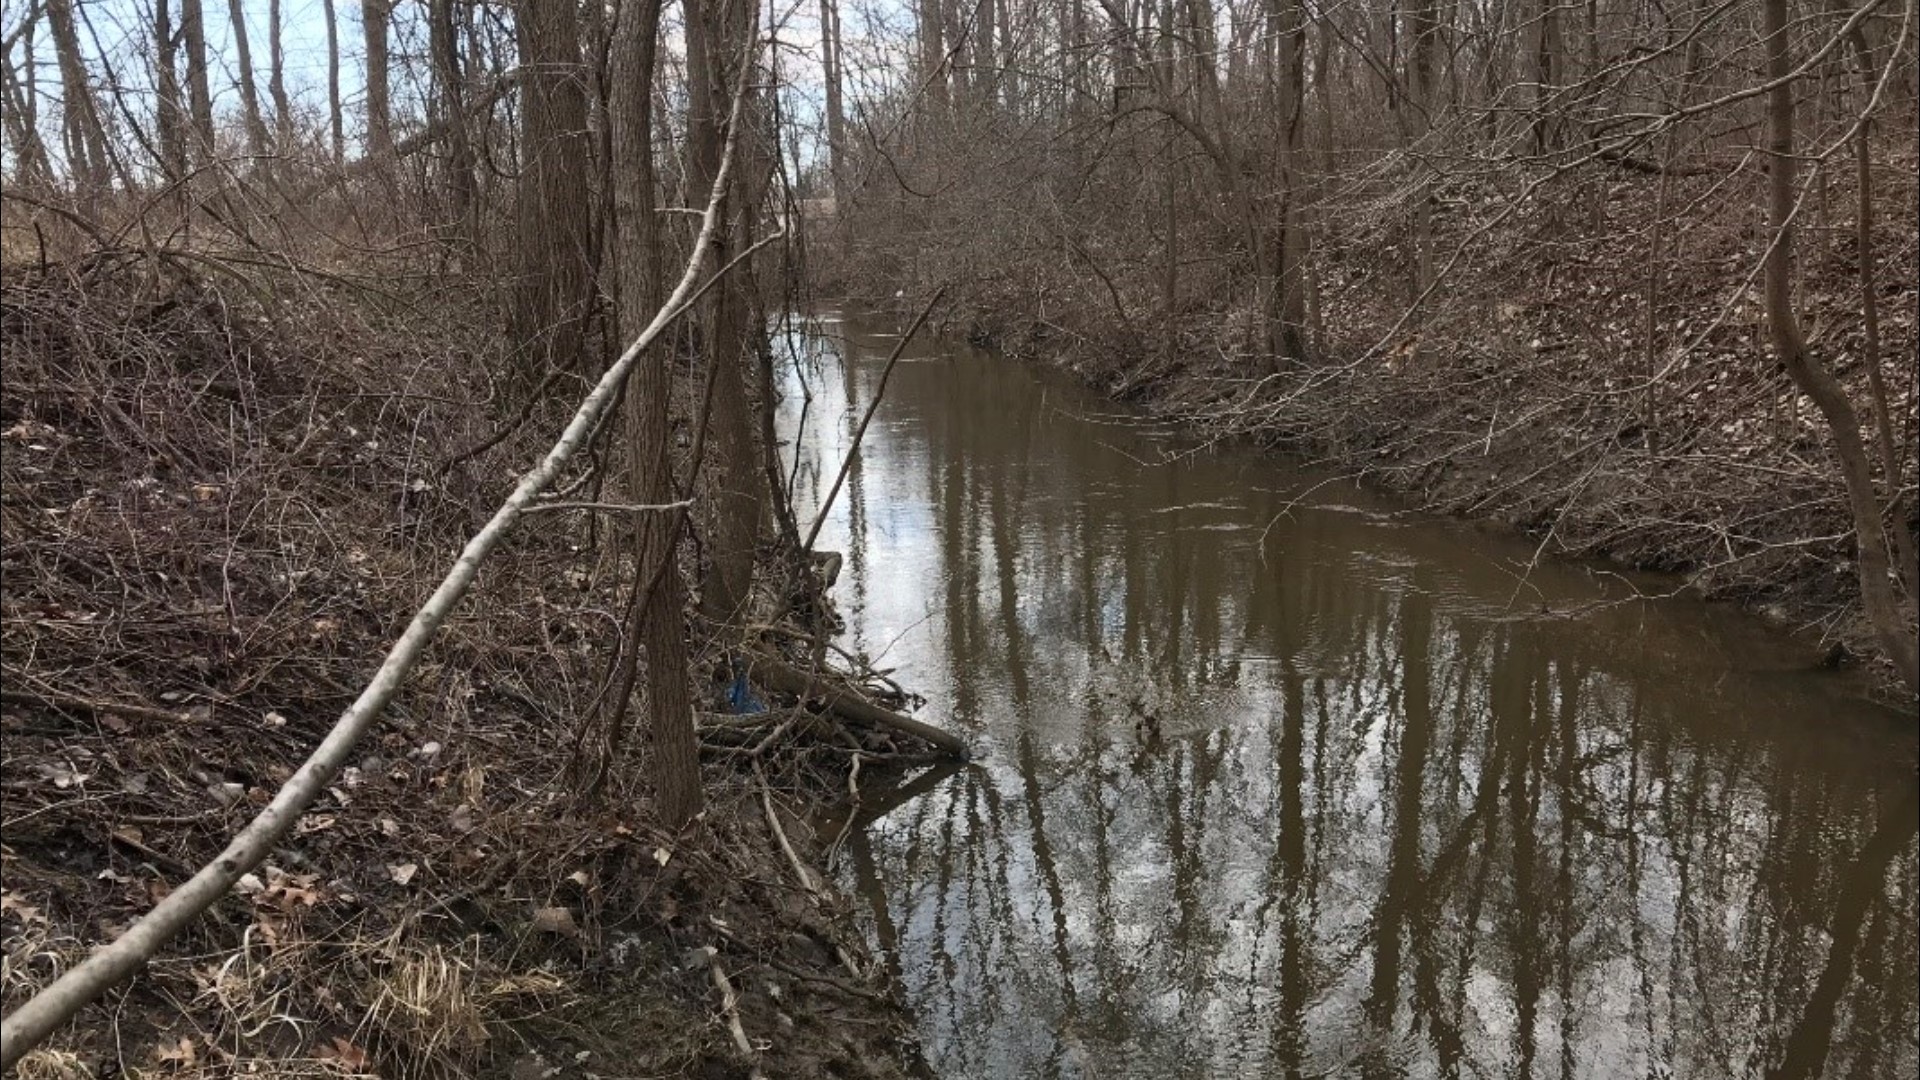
(1276, 778)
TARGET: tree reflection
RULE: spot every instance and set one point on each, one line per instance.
(1313, 802)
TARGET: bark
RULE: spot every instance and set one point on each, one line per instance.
(336, 117)
(636, 264)
(986, 58)
(277, 78)
(85, 139)
(836, 109)
(27, 1025)
(1890, 470)
(1877, 592)
(193, 33)
(373, 24)
(933, 54)
(783, 677)
(170, 112)
(554, 219)
(1287, 304)
(716, 36)
(444, 34)
(249, 90)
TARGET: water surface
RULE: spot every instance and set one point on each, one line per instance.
(1277, 780)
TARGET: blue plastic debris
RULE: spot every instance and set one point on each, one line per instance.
(740, 699)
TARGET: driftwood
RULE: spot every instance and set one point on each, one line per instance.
(849, 705)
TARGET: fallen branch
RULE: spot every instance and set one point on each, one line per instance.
(26, 1026)
(57, 700)
(848, 705)
(730, 1007)
(780, 834)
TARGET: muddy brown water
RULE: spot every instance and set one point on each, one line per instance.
(1276, 779)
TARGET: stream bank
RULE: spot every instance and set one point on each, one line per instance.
(1518, 394)
(1274, 776)
(220, 504)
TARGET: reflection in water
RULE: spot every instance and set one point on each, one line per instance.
(1305, 791)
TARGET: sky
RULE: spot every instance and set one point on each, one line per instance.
(118, 30)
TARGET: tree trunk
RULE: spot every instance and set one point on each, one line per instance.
(554, 219)
(836, 109)
(277, 79)
(193, 32)
(373, 24)
(1287, 307)
(716, 36)
(1877, 590)
(336, 117)
(444, 33)
(249, 90)
(986, 58)
(636, 266)
(170, 112)
(1908, 566)
(933, 53)
(86, 140)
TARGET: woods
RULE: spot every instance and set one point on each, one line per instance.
(469, 335)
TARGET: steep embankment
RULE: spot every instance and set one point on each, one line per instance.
(1520, 390)
(226, 490)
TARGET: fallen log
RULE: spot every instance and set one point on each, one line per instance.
(849, 705)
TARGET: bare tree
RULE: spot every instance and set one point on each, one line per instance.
(84, 138)
(193, 33)
(717, 36)
(553, 284)
(1879, 584)
(277, 78)
(170, 112)
(249, 90)
(373, 24)
(636, 261)
(336, 120)
(444, 34)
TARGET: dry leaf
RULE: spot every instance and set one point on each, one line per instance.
(580, 878)
(661, 855)
(11, 903)
(182, 1053)
(313, 823)
(401, 873)
(348, 1055)
(556, 920)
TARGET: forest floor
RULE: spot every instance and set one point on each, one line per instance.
(226, 489)
(1521, 396)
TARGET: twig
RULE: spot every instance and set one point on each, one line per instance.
(615, 508)
(69, 701)
(786, 848)
(730, 1006)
